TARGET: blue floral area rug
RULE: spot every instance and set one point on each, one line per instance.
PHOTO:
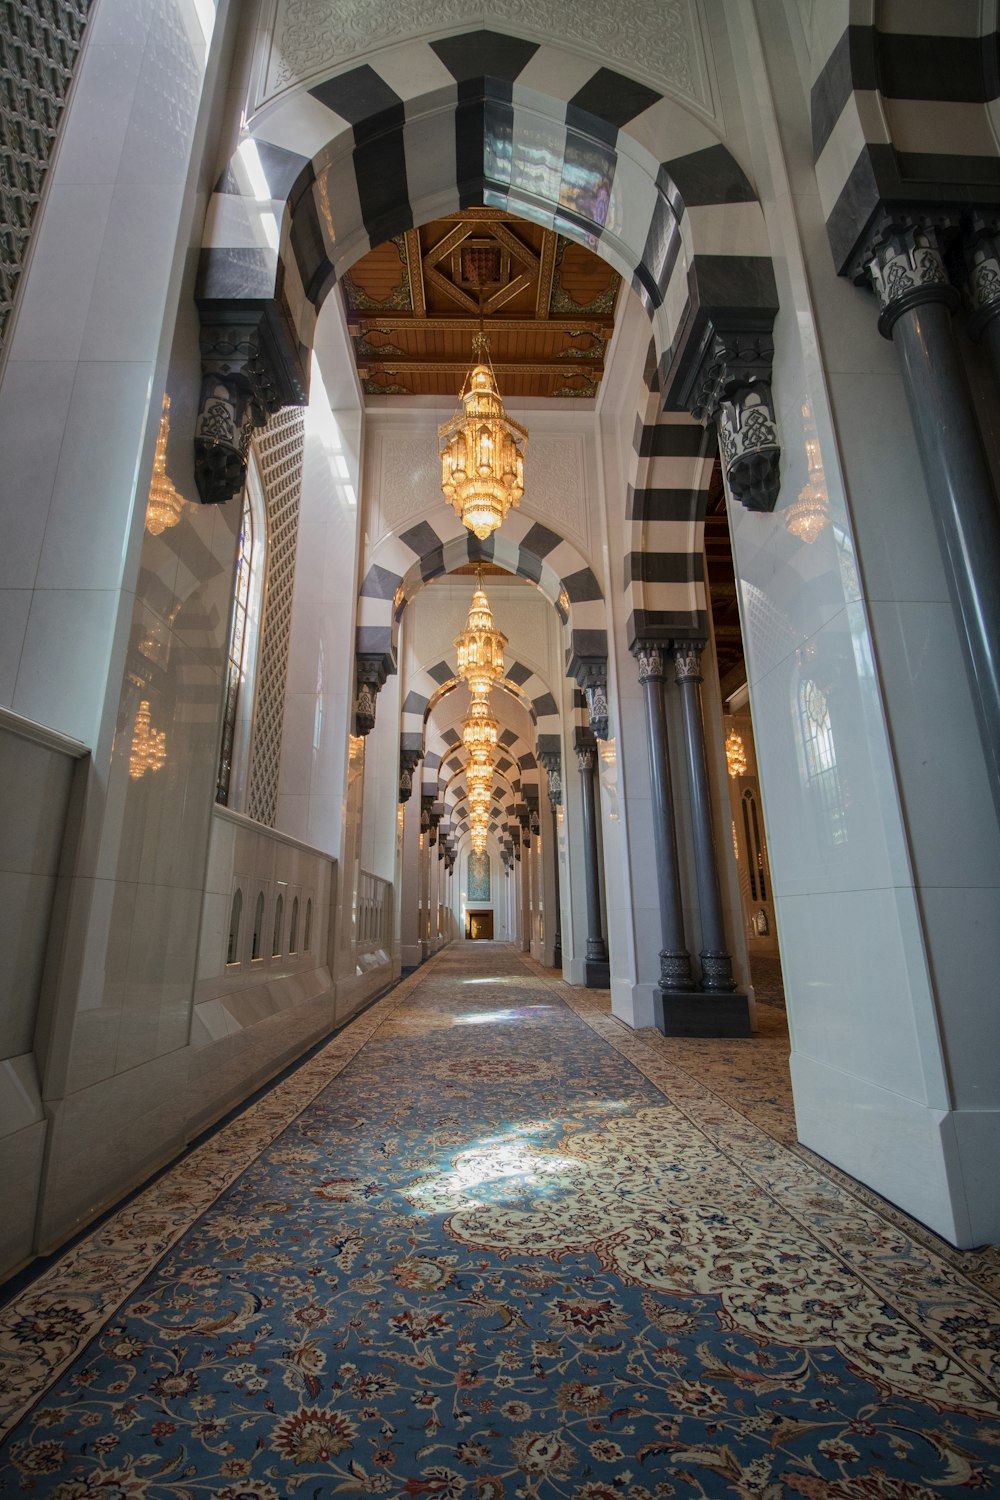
(501, 1255)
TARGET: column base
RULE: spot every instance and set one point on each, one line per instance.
(700, 1014)
(597, 973)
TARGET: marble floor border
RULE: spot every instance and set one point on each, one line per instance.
(104, 1266)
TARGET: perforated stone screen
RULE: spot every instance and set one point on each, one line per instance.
(279, 451)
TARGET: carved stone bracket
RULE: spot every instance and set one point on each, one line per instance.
(731, 387)
(371, 672)
(591, 675)
(552, 762)
(409, 759)
(250, 370)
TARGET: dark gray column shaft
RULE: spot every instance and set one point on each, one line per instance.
(596, 947)
(962, 501)
(716, 964)
(557, 940)
(675, 961)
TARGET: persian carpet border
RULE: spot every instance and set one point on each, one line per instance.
(924, 1289)
(104, 1268)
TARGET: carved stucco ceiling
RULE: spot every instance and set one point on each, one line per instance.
(413, 304)
(658, 40)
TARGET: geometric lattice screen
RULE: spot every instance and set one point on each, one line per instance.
(279, 448)
(39, 45)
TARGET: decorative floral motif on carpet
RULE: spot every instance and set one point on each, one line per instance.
(508, 1253)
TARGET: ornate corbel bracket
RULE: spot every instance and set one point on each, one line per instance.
(371, 671)
(551, 761)
(591, 675)
(250, 369)
(731, 387)
(409, 759)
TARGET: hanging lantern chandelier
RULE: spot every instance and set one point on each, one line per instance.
(807, 516)
(165, 501)
(480, 729)
(736, 756)
(482, 450)
(480, 646)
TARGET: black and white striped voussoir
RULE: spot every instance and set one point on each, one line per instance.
(670, 475)
(403, 561)
(879, 104)
(371, 155)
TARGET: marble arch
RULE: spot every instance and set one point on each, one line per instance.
(427, 127)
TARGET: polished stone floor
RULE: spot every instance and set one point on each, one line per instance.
(489, 1243)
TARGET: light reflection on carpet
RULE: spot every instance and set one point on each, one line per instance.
(516, 1269)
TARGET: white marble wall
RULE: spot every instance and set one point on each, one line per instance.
(38, 771)
(886, 891)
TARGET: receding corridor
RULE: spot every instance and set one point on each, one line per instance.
(487, 1242)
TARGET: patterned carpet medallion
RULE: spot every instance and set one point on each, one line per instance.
(484, 1255)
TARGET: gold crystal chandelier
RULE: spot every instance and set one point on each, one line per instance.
(810, 513)
(480, 646)
(165, 502)
(482, 450)
(736, 756)
(149, 745)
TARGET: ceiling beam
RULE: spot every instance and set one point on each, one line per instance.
(415, 365)
(497, 323)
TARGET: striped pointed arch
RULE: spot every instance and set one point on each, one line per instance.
(428, 127)
(402, 562)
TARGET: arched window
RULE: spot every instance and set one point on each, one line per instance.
(819, 761)
(293, 929)
(235, 917)
(244, 628)
(279, 912)
(258, 926)
(307, 935)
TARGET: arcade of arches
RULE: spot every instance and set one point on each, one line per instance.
(738, 263)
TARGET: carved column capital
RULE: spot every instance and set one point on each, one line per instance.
(981, 257)
(731, 387)
(903, 259)
(687, 661)
(649, 659)
(585, 755)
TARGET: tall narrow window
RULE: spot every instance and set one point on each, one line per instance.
(237, 713)
(819, 761)
(307, 935)
(279, 912)
(258, 926)
(293, 928)
(235, 916)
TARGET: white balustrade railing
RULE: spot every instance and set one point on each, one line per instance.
(374, 911)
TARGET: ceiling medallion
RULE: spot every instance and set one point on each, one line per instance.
(482, 450)
(165, 502)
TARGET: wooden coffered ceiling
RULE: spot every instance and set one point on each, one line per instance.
(412, 307)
